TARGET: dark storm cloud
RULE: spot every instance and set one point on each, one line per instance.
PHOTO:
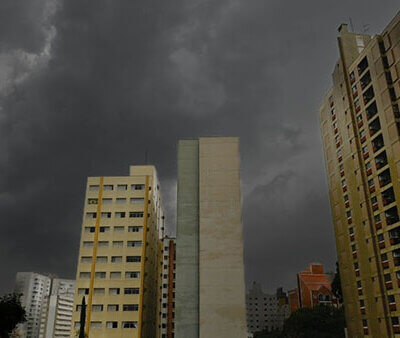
(87, 86)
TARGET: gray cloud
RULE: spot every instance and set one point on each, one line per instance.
(86, 87)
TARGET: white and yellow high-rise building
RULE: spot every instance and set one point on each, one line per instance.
(118, 270)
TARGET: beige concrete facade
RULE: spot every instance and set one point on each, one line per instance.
(210, 290)
(118, 267)
(360, 121)
(221, 271)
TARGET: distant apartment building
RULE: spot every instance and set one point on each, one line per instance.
(210, 289)
(265, 312)
(313, 288)
(56, 316)
(119, 264)
(360, 125)
(167, 296)
(34, 288)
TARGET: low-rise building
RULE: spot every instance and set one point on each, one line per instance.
(265, 312)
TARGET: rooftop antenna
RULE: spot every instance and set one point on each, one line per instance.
(351, 25)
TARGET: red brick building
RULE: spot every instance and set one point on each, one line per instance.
(313, 288)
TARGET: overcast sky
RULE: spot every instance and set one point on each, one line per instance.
(86, 86)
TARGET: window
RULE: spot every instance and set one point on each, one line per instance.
(119, 229)
(112, 325)
(113, 291)
(136, 214)
(137, 186)
(103, 244)
(354, 89)
(93, 200)
(83, 291)
(100, 275)
(365, 323)
(346, 198)
(355, 266)
(353, 248)
(371, 182)
(359, 118)
(380, 238)
(84, 275)
(130, 307)
(120, 214)
(134, 243)
(395, 320)
(131, 291)
(343, 182)
(129, 325)
(384, 257)
(101, 259)
(112, 307)
(116, 259)
(115, 275)
(98, 291)
(106, 215)
(122, 187)
(121, 200)
(388, 278)
(137, 200)
(106, 201)
(135, 229)
(104, 229)
(93, 187)
(91, 215)
(88, 244)
(95, 325)
(133, 259)
(357, 103)
(97, 308)
(86, 259)
(351, 231)
(132, 274)
(358, 284)
(118, 244)
(90, 229)
(108, 187)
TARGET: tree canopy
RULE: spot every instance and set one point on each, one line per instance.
(322, 321)
(11, 313)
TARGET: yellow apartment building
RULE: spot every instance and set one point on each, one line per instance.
(118, 269)
(360, 120)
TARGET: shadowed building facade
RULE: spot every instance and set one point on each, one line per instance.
(360, 121)
(119, 259)
(210, 290)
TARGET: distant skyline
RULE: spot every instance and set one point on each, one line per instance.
(80, 80)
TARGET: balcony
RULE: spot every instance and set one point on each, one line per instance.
(396, 257)
(365, 80)
(368, 168)
(363, 138)
(391, 216)
(352, 237)
(389, 285)
(374, 202)
(362, 310)
(371, 110)
(394, 236)
(374, 127)
(368, 95)
(360, 122)
(347, 204)
(392, 307)
(377, 143)
(365, 152)
(357, 273)
(352, 77)
(381, 160)
(378, 222)
(388, 196)
(384, 178)
(362, 66)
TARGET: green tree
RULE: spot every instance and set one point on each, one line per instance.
(11, 313)
(322, 321)
(337, 285)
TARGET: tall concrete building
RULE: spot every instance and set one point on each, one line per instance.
(34, 288)
(210, 290)
(360, 120)
(118, 269)
(56, 315)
